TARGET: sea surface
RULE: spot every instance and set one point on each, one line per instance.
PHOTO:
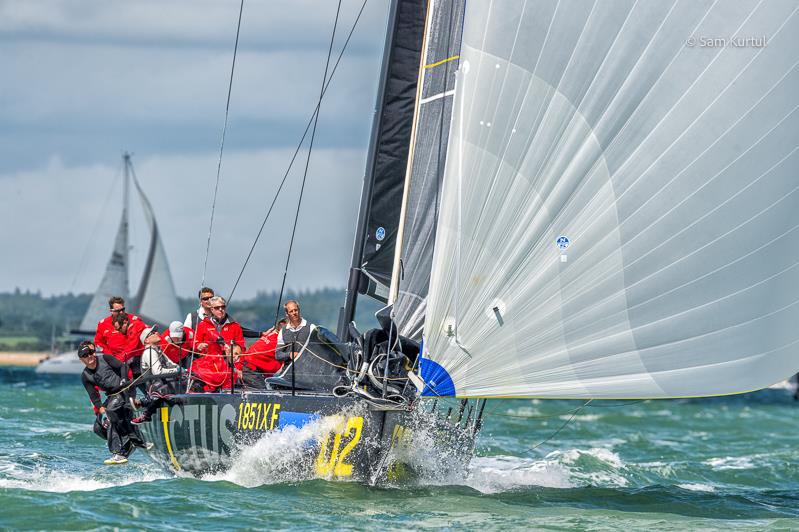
(729, 463)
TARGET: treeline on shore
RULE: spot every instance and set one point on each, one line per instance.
(30, 321)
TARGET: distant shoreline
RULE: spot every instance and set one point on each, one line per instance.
(28, 358)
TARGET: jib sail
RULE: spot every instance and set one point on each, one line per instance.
(620, 209)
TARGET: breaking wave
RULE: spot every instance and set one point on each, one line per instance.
(279, 456)
(45, 479)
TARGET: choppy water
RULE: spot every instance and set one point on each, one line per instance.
(661, 465)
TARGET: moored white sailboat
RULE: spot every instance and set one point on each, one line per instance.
(155, 301)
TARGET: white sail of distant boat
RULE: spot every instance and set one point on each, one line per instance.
(620, 206)
(156, 300)
(115, 279)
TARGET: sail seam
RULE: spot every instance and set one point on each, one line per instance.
(436, 97)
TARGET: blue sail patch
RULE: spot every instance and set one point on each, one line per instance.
(437, 381)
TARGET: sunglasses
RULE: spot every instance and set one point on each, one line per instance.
(84, 355)
(118, 309)
(206, 298)
(220, 307)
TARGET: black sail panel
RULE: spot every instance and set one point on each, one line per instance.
(391, 137)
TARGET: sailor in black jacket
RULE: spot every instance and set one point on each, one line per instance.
(107, 374)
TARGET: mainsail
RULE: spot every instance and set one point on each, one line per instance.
(620, 207)
(373, 254)
(115, 279)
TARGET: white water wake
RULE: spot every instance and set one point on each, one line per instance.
(45, 479)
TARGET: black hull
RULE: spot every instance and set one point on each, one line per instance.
(349, 438)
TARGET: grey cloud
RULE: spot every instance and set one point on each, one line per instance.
(289, 24)
(84, 80)
(47, 255)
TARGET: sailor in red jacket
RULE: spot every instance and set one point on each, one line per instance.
(123, 343)
(213, 339)
(105, 327)
(177, 342)
(259, 360)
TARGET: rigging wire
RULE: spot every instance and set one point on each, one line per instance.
(85, 255)
(307, 163)
(296, 152)
(563, 426)
(222, 145)
(547, 416)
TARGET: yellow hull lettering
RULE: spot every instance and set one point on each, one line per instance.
(334, 461)
(258, 416)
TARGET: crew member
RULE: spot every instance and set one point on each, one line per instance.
(293, 338)
(177, 342)
(123, 343)
(193, 319)
(213, 339)
(154, 363)
(107, 374)
(105, 326)
(259, 360)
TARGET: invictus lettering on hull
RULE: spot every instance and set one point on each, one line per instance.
(199, 435)
(258, 416)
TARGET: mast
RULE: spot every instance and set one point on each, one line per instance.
(125, 222)
(388, 147)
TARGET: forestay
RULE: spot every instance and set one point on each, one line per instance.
(667, 162)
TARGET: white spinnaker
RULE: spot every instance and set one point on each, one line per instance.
(115, 279)
(156, 298)
(670, 161)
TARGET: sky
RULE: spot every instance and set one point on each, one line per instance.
(82, 81)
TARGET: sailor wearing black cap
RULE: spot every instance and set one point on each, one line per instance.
(107, 374)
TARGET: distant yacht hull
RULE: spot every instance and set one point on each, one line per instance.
(338, 438)
(60, 364)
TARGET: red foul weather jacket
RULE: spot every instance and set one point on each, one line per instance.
(212, 368)
(260, 356)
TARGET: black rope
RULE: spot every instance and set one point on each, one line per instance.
(222, 145)
(294, 156)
